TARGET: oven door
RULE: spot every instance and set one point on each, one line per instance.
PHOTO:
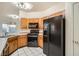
(32, 40)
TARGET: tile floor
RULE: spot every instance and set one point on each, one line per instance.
(29, 51)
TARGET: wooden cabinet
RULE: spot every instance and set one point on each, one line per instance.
(33, 20)
(6, 50)
(12, 42)
(40, 23)
(22, 40)
(23, 23)
(40, 41)
(11, 46)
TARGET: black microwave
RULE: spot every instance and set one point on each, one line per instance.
(33, 25)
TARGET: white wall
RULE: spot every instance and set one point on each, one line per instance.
(69, 28)
(53, 9)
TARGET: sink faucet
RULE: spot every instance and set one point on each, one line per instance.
(6, 33)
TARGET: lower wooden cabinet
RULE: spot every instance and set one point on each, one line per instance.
(22, 40)
(12, 42)
(6, 50)
(11, 46)
(16, 42)
(40, 41)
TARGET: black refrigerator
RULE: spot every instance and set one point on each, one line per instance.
(54, 36)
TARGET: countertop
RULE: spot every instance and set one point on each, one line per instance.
(16, 34)
(2, 44)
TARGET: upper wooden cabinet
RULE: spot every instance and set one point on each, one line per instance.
(33, 20)
(25, 22)
(40, 23)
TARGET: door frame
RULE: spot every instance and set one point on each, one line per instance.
(69, 34)
(74, 28)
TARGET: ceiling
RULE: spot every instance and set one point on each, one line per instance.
(42, 6)
(7, 8)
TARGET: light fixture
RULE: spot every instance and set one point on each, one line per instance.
(23, 5)
(13, 16)
(28, 6)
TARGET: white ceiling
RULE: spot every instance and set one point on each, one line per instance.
(7, 8)
(41, 6)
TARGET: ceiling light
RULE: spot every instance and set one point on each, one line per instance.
(23, 5)
(28, 6)
(13, 16)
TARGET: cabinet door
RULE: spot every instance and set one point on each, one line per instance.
(76, 29)
(15, 44)
(40, 23)
(40, 41)
(23, 23)
(6, 50)
(12, 44)
(33, 20)
(22, 40)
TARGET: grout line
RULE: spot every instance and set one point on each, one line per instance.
(18, 52)
(25, 52)
(32, 51)
(22, 52)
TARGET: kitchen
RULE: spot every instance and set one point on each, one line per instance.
(25, 31)
(34, 29)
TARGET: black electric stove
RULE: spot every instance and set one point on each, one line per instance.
(32, 38)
